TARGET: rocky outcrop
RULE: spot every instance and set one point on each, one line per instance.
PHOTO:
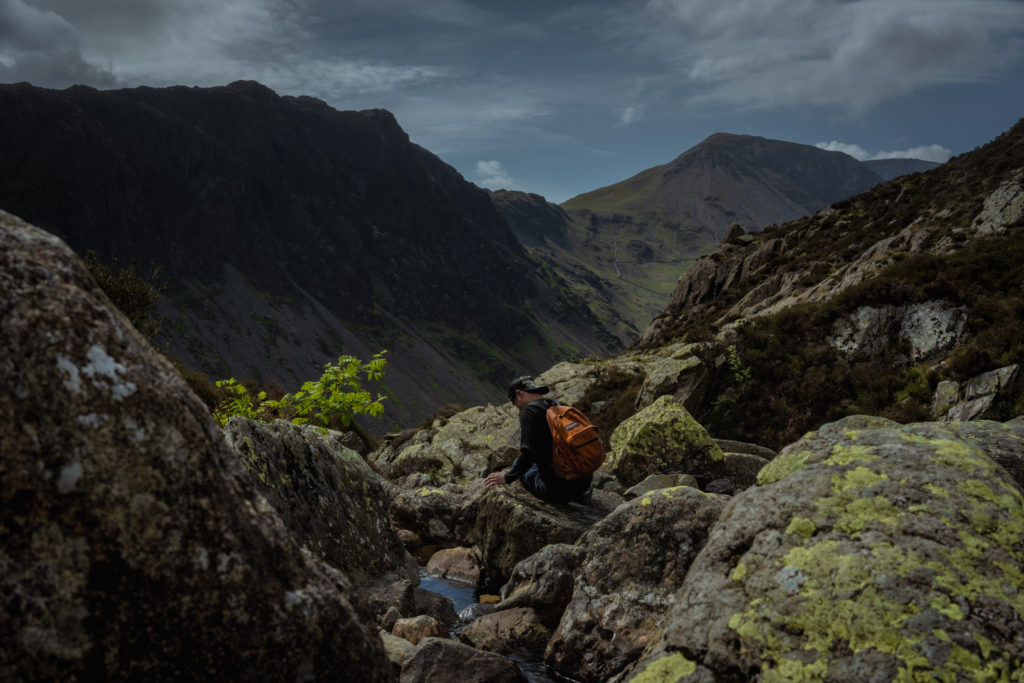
(329, 498)
(135, 546)
(927, 328)
(439, 659)
(970, 400)
(415, 629)
(870, 550)
(676, 371)
(1005, 206)
(513, 524)
(662, 439)
(636, 559)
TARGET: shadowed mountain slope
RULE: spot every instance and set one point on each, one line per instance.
(290, 233)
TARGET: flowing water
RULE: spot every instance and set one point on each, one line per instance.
(530, 662)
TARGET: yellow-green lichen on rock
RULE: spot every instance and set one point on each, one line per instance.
(895, 553)
(663, 438)
(667, 669)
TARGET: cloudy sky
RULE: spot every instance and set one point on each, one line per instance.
(560, 98)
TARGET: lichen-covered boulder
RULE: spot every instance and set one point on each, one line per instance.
(134, 544)
(544, 582)
(869, 551)
(439, 659)
(518, 628)
(443, 515)
(1003, 442)
(513, 524)
(636, 559)
(660, 439)
(327, 495)
(467, 446)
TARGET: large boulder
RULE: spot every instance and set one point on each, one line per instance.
(513, 524)
(661, 439)
(442, 515)
(869, 551)
(439, 659)
(467, 446)
(134, 544)
(636, 560)
(328, 497)
(544, 582)
(505, 631)
(675, 371)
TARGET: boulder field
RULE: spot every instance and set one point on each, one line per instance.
(142, 541)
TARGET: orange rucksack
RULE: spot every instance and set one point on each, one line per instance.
(577, 443)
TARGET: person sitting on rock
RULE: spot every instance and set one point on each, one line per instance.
(533, 466)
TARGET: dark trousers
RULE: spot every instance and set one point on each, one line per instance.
(561, 491)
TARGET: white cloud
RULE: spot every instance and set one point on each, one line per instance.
(837, 53)
(855, 151)
(631, 114)
(493, 175)
(936, 153)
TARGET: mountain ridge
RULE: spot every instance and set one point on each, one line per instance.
(290, 232)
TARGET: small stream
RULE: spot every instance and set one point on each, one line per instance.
(530, 662)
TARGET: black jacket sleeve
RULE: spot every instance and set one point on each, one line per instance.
(535, 443)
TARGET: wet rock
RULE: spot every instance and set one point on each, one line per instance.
(662, 439)
(869, 549)
(436, 659)
(475, 611)
(438, 515)
(415, 629)
(544, 581)
(435, 605)
(507, 631)
(457, 564)
(636, 560)
(135, 545)
(327, 495)
(513, 524)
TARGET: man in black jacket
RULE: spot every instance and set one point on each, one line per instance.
(533, 466)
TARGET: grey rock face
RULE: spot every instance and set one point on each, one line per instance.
(1003, 207)
(636, 559)
(928, 327)
(134, 544)
(870, 550)
(327, 495)
(953, 402)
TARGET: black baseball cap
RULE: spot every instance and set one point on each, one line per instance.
(525, 383)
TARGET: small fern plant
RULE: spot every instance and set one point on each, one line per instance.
(338, 395)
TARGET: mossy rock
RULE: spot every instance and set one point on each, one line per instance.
(871, 550)
(661, 439)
